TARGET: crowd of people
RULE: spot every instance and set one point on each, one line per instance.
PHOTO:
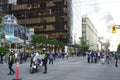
(103, 57)
(48, 57)
(17, 56)
(43, 56)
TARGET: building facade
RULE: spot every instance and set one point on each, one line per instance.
(3, 6)
(49, 18)
(89, 33)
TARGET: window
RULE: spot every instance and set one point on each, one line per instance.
(84, 32)
(83, 20)
(83, 25)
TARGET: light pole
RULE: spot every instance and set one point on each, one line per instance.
(75, 34)
(28, 8)
(75, 49)
(25, 34)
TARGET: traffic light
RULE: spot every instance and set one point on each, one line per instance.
(113, 29)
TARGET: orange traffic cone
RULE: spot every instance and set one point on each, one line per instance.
(17, 72)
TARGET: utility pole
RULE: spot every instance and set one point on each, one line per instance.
(25, 34)
(25, 27)
(74, 38)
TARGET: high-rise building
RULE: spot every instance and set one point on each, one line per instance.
(89, 33)
(49, 18)
(3, 6)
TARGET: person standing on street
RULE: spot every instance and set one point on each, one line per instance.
(116, 59)
(88, 56)
(51, 57)
(10, 63)
(107, 58)
(44, 60)
(21, 57)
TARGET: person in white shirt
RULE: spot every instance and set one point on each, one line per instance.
(37, 57)
(98, 56)
(16, 57)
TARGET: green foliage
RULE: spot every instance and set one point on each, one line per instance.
(118, 48)
(118, 51)
(37, 39)
(43, 42)
(2, 25)
(0, 16)
(2, 36)
(84, 46)
(4, 50)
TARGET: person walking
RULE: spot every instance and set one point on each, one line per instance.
(95, 57)
(31, 60)
(51, 58)
(107, 58)
(21, 57)
(67, 55)
(92, 56)
(44, 60)
(88, 57)
(103, 57)
(116, 59)
(10, 63)
(16, 56)
(1, 58)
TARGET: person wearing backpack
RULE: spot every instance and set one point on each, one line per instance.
(10, 63)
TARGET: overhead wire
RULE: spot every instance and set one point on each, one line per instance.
(90, 2)
(93, 2)
(87, 3)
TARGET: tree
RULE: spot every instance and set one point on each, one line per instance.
(84, 46)
(38, 41)
(3, 50)
(2, 25)
(118, 51)
(118, 48)
(43, 42)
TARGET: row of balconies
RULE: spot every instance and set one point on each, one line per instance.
(43, 2)
(39, 13)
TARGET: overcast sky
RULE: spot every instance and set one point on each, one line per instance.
(103, 13)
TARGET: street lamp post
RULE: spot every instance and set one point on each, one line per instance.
(75, 38)
(25, 34)
(28, 8)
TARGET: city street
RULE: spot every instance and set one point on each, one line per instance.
(74, 68)
(83, 36)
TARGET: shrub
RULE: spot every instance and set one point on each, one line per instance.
(4, 50)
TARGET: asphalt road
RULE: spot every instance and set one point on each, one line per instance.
(74, 68)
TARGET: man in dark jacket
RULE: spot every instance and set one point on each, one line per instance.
(116, 59)
(10, 63)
